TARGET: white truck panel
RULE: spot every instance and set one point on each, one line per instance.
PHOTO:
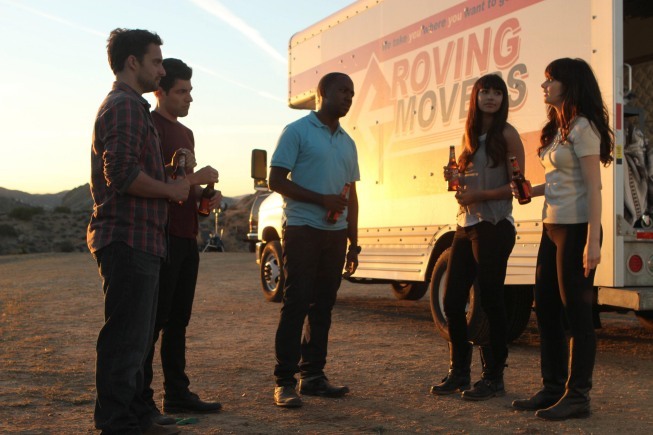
(413, 65)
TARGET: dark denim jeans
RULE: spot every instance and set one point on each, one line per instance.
(479, 252)
(178, 278)
(130, 285)
(312, 261)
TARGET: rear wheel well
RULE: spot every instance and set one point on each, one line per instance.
(443, 242)
(269, 234)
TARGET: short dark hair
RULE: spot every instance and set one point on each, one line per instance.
(326, 82)
(123, 43)
(175, 70)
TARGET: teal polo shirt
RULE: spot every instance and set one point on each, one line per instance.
(318, 161)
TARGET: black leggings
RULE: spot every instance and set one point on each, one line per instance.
(560, 284)
(563, 292)
(479, 252)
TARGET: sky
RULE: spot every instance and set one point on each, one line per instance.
(55, 74)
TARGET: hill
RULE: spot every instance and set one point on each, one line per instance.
(31, 223)
(47, 200)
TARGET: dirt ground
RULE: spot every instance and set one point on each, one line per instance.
(386, 350)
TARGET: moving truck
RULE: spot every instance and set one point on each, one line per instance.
(413, 64)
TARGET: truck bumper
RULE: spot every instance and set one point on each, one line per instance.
(636, 298)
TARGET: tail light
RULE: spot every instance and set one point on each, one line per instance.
(635, 263)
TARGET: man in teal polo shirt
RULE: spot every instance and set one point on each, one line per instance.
(320, 158)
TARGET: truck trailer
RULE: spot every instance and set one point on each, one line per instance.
(413, 65)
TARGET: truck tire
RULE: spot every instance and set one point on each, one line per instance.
(477, 326)
(410, 291)
(272, 278)
(518, 300)
(519, 305)
(645, 318)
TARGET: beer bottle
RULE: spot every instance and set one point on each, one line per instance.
(207, 194)
(180, 170)
(523, 188)
(454, 176)
(332, 215)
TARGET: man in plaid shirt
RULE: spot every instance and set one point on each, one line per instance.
(127, 231)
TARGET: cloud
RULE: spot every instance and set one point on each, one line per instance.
(214, 7)
(54, 18)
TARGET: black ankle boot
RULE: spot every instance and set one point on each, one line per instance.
(454, 382)
(491, 383)
(458, 378)
(567, 407)
(485, 389)
(541, 400)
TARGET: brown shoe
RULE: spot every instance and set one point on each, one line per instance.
(162, 420)
(321, 387)
(541, 400)
(567, 407)
(190, 403)
(157, 429)
(286, 397)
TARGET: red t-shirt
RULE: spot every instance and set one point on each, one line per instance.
(175, 135)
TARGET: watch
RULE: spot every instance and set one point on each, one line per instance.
(355, 248)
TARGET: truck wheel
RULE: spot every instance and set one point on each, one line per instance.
(410, 291)
(272, 272)
(519, 305)
(645, 318)
(477, 326)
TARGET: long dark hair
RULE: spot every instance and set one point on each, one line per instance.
(581, 96)
(495, 142)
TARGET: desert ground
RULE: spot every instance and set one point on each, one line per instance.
(385, 349)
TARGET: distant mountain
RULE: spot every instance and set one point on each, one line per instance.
(8, 204)
(79, 198)
(62, 228)
(47, 200)
(76, 199)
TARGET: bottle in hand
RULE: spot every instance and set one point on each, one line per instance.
(523, 188)
(180, 170)
(453, 179)
(207, 194)
(332, 215)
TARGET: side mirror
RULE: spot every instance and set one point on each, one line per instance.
(260, 169)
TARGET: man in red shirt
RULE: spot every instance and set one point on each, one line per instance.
(178, 274)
